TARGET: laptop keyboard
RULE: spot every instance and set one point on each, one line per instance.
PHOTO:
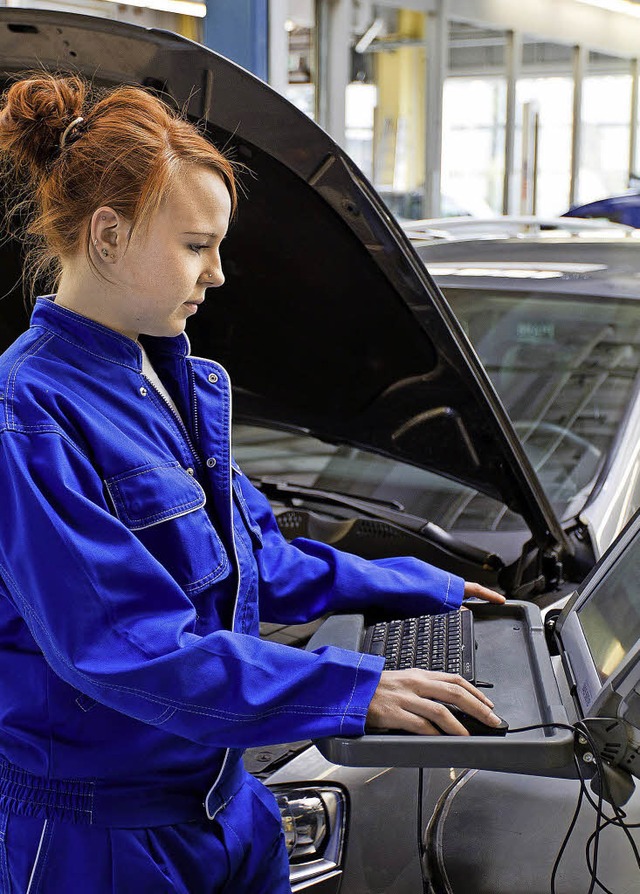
(431, 642)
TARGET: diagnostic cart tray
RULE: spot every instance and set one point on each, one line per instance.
(511, 654)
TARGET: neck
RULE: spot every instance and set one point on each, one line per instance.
(85, 293)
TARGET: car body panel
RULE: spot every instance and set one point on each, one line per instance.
(377, 859)
(594, 266)
(616, 494)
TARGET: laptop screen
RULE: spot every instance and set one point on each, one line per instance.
(599, 630)
(610, 619)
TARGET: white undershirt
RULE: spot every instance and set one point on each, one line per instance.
(154, 378)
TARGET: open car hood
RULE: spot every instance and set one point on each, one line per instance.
(328, 320)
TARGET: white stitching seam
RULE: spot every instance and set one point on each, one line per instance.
(48, 804)
(150, 520)
(353, 689)
(166, 703)
(188, 708)
(13, 373)
(123, 340)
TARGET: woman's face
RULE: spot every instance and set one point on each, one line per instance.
(159, 278)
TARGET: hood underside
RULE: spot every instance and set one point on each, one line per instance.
(328, 320)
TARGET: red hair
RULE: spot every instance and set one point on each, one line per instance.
(127, 151)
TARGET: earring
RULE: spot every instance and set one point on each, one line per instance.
(95, 242)
(105, 253)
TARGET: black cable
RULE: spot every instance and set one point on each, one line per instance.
(619, 814)
(565, 842)
(421, 848)
(618, 820)
(591, 869)
(596, 833)
(610, 821)
(602, 820)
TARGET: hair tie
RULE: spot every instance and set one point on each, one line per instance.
(68, 129)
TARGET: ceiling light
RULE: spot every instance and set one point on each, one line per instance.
(512, 270)
(622, 6)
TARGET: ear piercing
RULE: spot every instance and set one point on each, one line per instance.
(104, 251)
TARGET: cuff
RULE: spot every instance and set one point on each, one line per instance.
(454, 592)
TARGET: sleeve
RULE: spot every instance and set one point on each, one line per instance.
(115, 625)
(305, 579)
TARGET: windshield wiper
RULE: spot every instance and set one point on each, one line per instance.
(390, 511)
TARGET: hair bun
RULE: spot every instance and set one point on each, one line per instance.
(34, 113)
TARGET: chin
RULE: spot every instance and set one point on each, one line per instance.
(170, 330)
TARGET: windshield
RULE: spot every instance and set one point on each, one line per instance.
(565, 369)
(301, 459)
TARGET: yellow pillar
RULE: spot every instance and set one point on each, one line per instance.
(399, 126)
(190, 27)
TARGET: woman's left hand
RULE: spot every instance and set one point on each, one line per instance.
(477, 591)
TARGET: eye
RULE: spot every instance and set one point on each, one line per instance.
(198, 248)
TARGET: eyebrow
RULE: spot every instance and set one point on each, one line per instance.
(201, 233)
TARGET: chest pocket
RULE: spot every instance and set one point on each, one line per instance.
(164, 507)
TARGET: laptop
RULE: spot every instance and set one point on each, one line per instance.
(586, 667)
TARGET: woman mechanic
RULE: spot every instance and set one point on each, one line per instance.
(135, 558)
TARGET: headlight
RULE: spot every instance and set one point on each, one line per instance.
(314, 821)
(305, 823)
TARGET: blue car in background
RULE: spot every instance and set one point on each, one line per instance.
(623, 209)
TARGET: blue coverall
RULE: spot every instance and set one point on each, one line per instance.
(135, 562)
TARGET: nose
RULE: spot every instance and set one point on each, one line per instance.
(214, 278)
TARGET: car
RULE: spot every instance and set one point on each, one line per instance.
(623, 208)
(362, 409)
(550, 306)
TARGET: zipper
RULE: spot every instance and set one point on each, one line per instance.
(225, 760)
(178, 419)
(192, 382)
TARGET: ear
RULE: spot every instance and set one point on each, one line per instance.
(109, 233)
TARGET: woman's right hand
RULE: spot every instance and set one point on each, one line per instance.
(412, 700)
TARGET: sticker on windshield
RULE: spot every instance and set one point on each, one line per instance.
(536, 333)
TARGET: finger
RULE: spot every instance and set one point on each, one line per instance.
(409, 717)
(455, 680)
(450, 690)
(442, 718)
(424, 715)
(421, 725)
(428, 718)
(490, 596)
(477, 591)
